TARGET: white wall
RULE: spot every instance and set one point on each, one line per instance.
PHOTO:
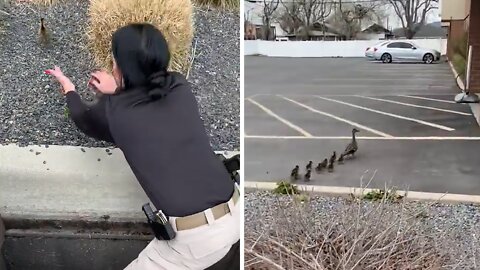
(350, 48)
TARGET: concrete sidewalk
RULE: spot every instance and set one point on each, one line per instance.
(361, 191)
(68, 182)
(66, 207)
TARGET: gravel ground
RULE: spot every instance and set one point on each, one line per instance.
(458, 223)
(33, 112)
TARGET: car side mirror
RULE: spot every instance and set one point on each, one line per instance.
(414, 48)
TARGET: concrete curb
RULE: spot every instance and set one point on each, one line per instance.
(475, 107)
(455, 74)
(345, 191)
(68, 183)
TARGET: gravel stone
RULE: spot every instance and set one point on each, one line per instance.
(33, 112)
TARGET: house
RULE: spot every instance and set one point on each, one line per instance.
(319, 31)
(375, 32)
(250, 31)
(257, 31)
(253, 13)
(459, 18)
(455, 20)
(261, 32)
(431, 30)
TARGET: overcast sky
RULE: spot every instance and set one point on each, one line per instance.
(254, 11)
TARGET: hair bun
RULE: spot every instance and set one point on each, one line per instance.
(158, 84)
(158, 79)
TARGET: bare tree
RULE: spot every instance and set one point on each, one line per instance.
(289, 17)
(412, 13)
(349, 17)
(269, 8)
(308, 12)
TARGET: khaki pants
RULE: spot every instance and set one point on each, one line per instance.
(193, 249)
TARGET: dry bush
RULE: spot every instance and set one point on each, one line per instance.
(226, 4)
(173, 17)
(360, 235)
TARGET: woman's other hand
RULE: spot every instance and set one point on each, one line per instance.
(104, 82)
(64, 81)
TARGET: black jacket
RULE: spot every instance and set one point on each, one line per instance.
(164, 142)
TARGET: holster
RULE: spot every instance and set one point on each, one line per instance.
(232, 165)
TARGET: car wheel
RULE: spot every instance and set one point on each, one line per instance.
(428, 58)
(386, 58)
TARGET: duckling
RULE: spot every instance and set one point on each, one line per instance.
(294, 174)
(309, 166)
(352, 147)
(319, 167)
(43, 29)
(330, 167)
(333, 157)
(308, 175)
(324, 163)
(340, 159)
(43, 33)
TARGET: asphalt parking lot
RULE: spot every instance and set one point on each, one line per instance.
(413, 136)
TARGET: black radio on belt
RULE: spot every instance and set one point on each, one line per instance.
(159, 223)
(232, 165)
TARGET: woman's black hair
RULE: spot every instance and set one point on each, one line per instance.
(141, 52)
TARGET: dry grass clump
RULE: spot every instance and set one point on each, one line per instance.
(359, 235)
(173, 17)
(225, 4)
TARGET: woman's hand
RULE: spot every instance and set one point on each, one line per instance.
(104, 82)
(64, 81)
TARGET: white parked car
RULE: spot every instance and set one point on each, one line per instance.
(370, 50)
(404, 51)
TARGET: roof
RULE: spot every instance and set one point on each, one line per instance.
(327, 27)
(377, 29)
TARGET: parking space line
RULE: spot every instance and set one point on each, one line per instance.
(375, 79)
(414, 105)
(389, 114)
(254, 95)
(337, 118)
(428, 138)
(431, 99)
(286, 122)
(404, 87)
(349, 95)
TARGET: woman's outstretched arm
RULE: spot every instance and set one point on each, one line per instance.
(91, 120)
